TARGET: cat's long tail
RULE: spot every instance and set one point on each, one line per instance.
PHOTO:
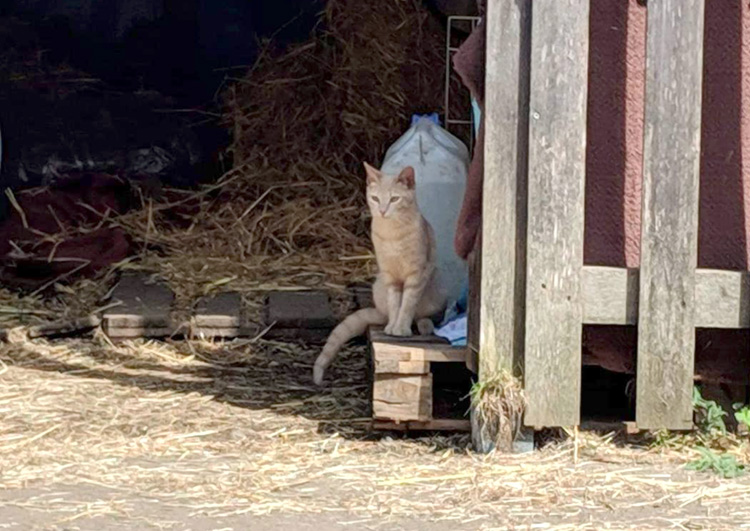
(354, 325)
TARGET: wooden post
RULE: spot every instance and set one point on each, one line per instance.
(669, 239)
(503, 231)
(474, 307)
(557, 165)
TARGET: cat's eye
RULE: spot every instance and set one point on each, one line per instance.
(375, 198)
(395, 198)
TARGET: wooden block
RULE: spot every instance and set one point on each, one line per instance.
(401, 367)
(721, 299)
(397, 397)
(627, 427)
(611, 297)
(556, 185)
(428, 425)
(413, 352)
(221, 311)
(136, 332)
(669, 236)
(144, 309)
(299, 309)
(214, 332)
(218, 316)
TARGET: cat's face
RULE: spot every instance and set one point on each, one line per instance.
(390, 195)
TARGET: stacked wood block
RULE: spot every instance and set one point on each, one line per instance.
(403, 393)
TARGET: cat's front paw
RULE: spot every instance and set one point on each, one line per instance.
(401, 331)
(389, 329)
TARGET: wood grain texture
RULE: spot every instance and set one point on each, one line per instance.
(385, 348)
(397, 397)
(401, 367)
(669, 237)
(503, 230)
(557, 164)
(502, 270)
(610, 295)
(722, 298)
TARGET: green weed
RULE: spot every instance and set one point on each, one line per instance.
(724, 465)
(742, 414)
(709, 414)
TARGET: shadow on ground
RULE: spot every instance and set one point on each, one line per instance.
(261, 375)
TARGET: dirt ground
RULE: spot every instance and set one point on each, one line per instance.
(200, 436)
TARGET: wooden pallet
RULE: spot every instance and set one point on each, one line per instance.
(402, 397)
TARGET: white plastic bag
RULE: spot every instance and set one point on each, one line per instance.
(441, 162)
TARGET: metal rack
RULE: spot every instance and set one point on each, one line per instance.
(449, 51)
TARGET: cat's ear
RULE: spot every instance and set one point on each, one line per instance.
(406, 177)
(373, 175)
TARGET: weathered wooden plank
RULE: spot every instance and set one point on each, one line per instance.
(669, 236)
(722, 298)
(376, 334)
(503, 232)
(400, 398)
(416, 352)
(502, 238)
(610, 295)
(557, 164)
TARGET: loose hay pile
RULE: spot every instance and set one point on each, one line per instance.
(291, 212)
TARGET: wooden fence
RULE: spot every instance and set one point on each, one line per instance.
(536, 294)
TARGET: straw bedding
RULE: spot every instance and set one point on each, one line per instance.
(226, 430)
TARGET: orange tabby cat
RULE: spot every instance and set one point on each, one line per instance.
(407, 286)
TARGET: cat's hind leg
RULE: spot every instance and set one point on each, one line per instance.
(425, 326)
